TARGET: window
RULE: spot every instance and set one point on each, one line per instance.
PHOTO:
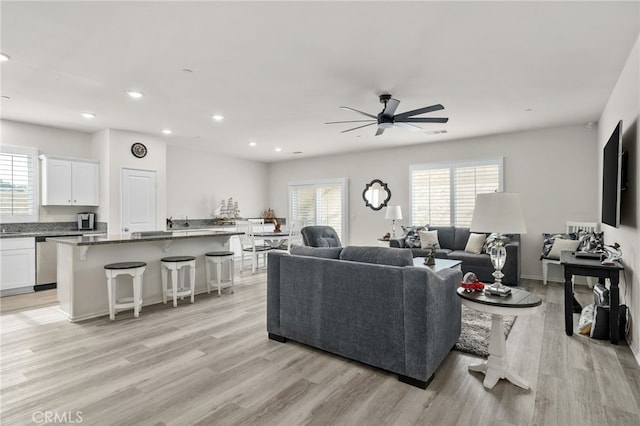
(445, 194)
(320, 203)
(18, 188)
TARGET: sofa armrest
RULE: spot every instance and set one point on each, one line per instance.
(432, 318)
(513, 263)
(396, 242)
(273, 291)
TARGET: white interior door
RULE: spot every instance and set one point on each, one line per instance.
(138, 200)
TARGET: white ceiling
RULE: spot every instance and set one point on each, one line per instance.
(278, 71)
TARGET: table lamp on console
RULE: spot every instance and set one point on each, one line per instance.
(499, 212)
(394, 213)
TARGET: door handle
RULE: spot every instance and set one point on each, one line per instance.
(126, 229)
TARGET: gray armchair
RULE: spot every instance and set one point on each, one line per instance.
(320, 236)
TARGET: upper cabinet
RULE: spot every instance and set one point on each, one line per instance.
(69, 182)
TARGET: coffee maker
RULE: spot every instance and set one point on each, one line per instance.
(86, 221)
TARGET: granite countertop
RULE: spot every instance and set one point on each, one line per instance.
(92, 240)
(45, 234)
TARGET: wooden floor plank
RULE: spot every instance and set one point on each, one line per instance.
(211, 363)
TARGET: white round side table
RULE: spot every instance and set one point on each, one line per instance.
(519, 302)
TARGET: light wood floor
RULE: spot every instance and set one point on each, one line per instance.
(211, 363)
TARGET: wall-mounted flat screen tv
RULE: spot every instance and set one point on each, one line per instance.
(612, 177)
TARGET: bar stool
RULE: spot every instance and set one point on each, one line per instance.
(135, 269)
(178, 287)
(218, 258)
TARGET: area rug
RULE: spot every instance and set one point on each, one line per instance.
(476, 329)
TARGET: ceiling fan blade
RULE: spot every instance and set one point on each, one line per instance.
(359, 112)
(350, 121)
(356, 128)
(421, 120)
(408, 126)
(424, 110)
(390, 109)
(380, 131)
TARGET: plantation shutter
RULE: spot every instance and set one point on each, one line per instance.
(320, 203)
(18, 190)
(445, 194)
(469, 182)
(431, 198)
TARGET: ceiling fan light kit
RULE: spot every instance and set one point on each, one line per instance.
(387, 117)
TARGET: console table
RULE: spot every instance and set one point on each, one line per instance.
(591, 268)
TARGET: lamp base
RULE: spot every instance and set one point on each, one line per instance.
(498, 290)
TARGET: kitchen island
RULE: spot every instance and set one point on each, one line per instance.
(82, 283)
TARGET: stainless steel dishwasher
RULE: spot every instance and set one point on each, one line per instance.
(46, 264)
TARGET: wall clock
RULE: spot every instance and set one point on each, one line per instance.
(138, 150)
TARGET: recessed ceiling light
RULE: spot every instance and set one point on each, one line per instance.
(88, 115)
(4, 57)
(217, 117)
(135, 94)
(297, 152)
(167, 131)
(278, 149)
(252, 143)
(529, 109)
(187, 70)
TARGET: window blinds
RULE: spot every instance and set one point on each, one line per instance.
(445, 194)
(17, 184)
(319, 203)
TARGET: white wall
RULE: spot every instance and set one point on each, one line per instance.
(554, 170)
(198, 181)
(623, 105)
(115, 149)
(50, 141)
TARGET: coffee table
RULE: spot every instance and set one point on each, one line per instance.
(440, 264)
(519, 302)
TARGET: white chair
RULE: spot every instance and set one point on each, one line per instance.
(248, 246)
(571, 227)
(294, 237)
(257, 224)
(135, 269)
(218, 258)
(178, 288)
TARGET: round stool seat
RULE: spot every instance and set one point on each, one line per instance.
(125, 265)
(178, 259)
(219, 253)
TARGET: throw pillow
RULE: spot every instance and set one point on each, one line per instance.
(560, 245)
(586, 319)
(411, 236)
(475, 243)
(548, 240)
(492, 240)
(429, 239)
(589, 241)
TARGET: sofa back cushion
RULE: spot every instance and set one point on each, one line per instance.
(446, 236)
(324, 252)
(461, 238)
(378, 255)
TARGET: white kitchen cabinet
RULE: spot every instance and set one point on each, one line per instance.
(69, 182)
(17, 265)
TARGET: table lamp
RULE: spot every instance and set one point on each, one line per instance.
(394, 213)
(499, 212)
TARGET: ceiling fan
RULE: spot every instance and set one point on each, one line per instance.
(386, 118)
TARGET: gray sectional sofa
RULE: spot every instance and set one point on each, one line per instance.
(369, 304)
(452, 244)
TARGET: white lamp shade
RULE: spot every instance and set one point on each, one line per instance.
(498, 212)
(393, 212)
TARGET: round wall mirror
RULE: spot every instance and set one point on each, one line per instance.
(376, 194)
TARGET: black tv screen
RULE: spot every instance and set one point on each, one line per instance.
(612, 178)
